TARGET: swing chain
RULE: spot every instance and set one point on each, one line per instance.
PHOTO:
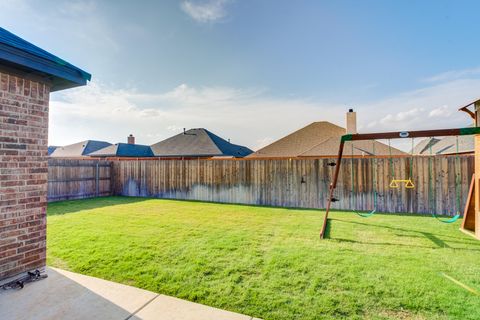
(457, 183)
(458, 177)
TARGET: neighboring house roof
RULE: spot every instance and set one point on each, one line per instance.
(360, 148)
(22, 54)
(51, 149)
(447, 145)
(320, 139)
(198, 143)
(301, 140)
(79, 149)
(124, 150)
(424, 146)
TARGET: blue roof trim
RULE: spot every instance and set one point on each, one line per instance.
(229, 148)
(124, 150)
(94, 145)
(134, 150)
(51, 149)
(19, 52)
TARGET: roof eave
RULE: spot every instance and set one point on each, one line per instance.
(60, 76)
(101, 155)
(186, 155)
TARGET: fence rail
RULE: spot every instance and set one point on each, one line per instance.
(303, 183)
(78, 179)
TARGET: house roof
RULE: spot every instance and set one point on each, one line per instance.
(320, 139)
(21, 54)
(124, 150)
(51, 149)
(360, 148)
(301, 140)
(424, 146)
(446, 145)
(79, 149)
(198, 143)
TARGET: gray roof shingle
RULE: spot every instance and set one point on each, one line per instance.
(124, 150)
(198, 143)
(79, 149)
(446, 145)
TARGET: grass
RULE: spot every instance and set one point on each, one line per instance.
(269, 262)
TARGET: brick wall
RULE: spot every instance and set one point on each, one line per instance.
(23, 174)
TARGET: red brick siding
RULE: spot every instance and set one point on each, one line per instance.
(23, 174)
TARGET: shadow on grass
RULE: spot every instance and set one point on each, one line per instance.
(434, 238)
(326, 235)
(72, 206)
(401, 244)
(252, 205)
(140, 198)
(379, 243)
(439, 242)
(473, 243)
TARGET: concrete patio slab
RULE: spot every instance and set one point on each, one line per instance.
(68, 295)
(169, 308)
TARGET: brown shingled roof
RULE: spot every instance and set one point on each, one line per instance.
(360, 148)
(320, 139)
(301, 140)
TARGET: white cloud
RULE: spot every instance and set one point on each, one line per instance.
(205, 11)
(402, 116)
(247, 116)
(453, 75)
(431, 107)
(442, 111)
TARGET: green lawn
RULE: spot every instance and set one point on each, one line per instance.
(269, 262)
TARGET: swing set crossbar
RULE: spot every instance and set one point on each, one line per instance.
(386, 135)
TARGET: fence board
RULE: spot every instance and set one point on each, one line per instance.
(78, 179)
(300, 182)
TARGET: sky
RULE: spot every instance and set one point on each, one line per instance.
(254, 70)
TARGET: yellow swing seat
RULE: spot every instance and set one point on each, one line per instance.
(394, 184)
(408, 183)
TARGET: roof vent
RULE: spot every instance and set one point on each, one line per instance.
(131, 139)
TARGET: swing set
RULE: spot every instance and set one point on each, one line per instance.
(471, 222)
(408, 182)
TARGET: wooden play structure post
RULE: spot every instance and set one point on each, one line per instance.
(471, 217)
(476, 214)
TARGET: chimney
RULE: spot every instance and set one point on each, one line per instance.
(131, 139)
(351, 119)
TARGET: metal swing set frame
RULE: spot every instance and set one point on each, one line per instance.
(414, 134)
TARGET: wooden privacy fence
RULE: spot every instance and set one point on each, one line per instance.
(77, 179)
(302, 183)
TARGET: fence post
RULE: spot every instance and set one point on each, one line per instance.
(97, 173)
